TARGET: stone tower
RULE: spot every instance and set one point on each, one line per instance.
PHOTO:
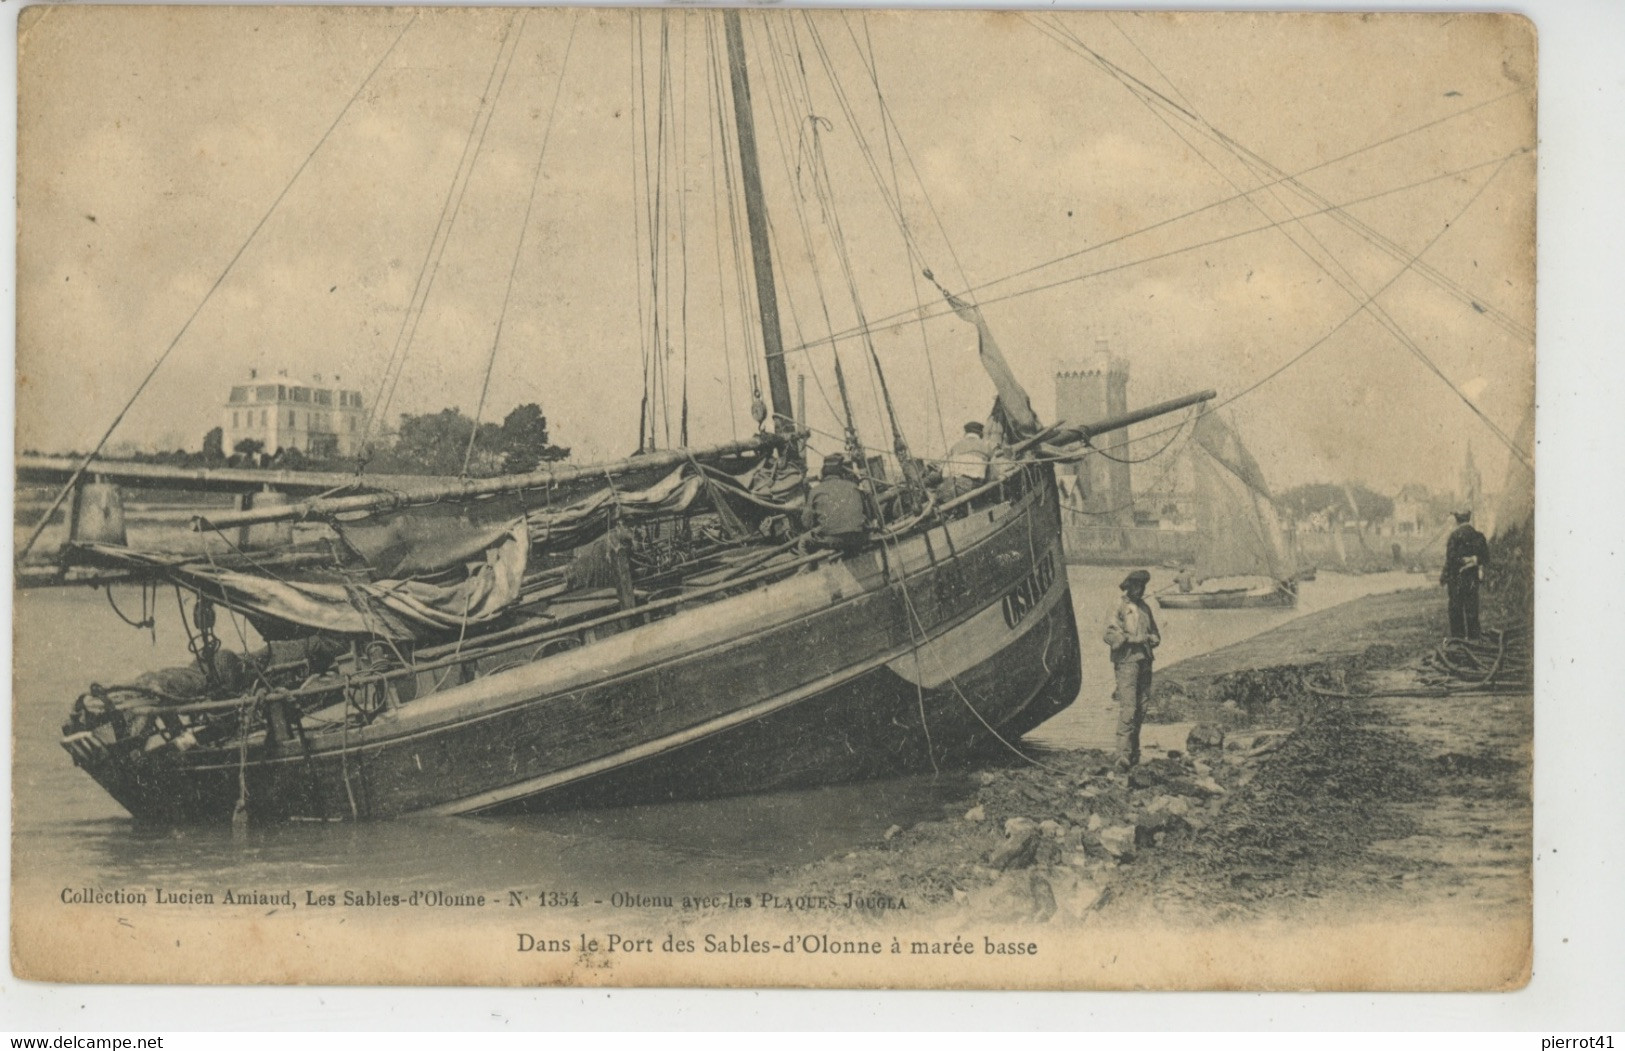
(1472, 483)
(1093, 389)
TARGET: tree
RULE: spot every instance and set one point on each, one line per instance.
(248, 447)
(524, 440)
(433, 443)
(214, 446)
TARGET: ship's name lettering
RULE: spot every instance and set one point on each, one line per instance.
(1025, 596)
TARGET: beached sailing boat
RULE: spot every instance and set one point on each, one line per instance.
(640, 630)
(1243, 558)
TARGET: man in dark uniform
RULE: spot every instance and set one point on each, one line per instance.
(835, 515)
(1466, 554)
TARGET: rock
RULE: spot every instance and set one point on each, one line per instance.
(961, 896)
(1118, 840)
(1077, 817)
(1181, 786)
(893, 831)
(1204, 737)
(1210, 787)
(1169, 804)
(1034, 793)
(1152, 828)
(1020, 847)
(1088, 792)
(1079, 860)
(1155, 772)
(1096, 823)
(1075, 894)
(988, 777)
(1268, 743)
(1051, 829)
(1043, 898)
(976, 813)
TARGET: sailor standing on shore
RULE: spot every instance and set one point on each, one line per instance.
(1466, 554)
(1131, 632)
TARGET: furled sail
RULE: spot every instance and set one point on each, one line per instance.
(427, 570)
(1240, 532)
(1013, 401)
(428, 539)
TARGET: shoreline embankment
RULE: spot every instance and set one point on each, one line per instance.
(1279, 777)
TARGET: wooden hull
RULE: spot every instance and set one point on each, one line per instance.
(927, 651)
(1264, 596)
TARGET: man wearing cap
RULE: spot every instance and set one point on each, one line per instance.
(1466, 554)
(966, 466)
(1131, 632)
(835, 517)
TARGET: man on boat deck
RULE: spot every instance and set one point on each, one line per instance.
(966, 466)
(835, 517)
(1466, 554)
(1131, 632)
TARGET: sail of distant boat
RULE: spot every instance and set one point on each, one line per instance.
(1243, 556)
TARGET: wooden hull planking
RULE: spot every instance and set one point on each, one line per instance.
(921, 653)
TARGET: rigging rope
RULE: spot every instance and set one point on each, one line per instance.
(1356, 312)
(944, 311)
(78, 473)
(682, 230)
(873, 68)
(1347, 282)
(832, 222)
(634, 100)
(713, 105)
(444, 227)
(524, 228)
(1254, 161)
(1192, 213)
(804, 228)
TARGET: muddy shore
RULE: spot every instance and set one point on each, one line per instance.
(1318, 766)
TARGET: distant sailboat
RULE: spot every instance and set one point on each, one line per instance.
(1243, 558)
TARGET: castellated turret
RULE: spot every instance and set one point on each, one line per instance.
(1093, 388)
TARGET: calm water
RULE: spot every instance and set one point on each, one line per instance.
(69, 833)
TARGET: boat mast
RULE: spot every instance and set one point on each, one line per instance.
(767, 299)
